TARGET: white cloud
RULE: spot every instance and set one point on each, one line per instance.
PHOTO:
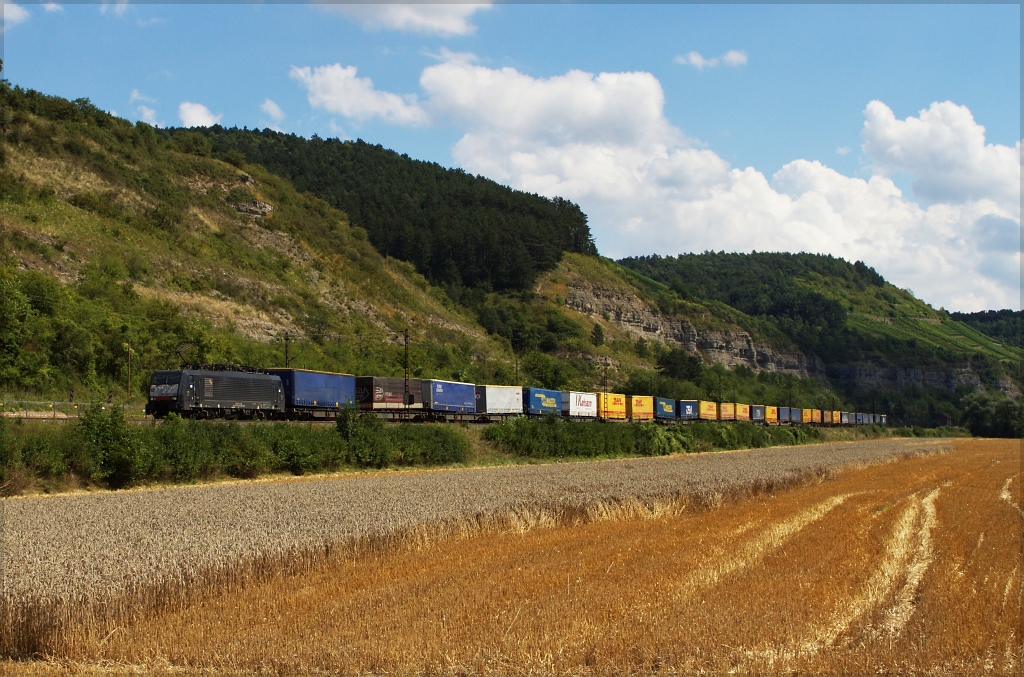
(336, 89)
(603, 141)
(52, 7)
(270, 107)
(734, 58)
(197, 115)
(148, 115)
(843, 150)
(425, 18)
(696, 60)
(13, 15)
(136, 95)
(118, 7)
(945, 149)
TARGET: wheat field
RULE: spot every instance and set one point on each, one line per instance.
(912, 565)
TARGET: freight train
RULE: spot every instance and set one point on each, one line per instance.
(301, 394)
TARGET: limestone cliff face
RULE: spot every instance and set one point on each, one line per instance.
(731, 348)
(874, 376)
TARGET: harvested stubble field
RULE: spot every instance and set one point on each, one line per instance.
(908, 566)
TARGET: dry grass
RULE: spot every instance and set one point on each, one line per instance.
(913, 566)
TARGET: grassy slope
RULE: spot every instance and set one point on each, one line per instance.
(303, 270)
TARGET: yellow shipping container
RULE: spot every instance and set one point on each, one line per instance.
(708, 411)
(771, 414)
(611, 406)
(837, 418)
(727, 411)
(805, 415)
(816, 415)
(742, 412)
(640, 408)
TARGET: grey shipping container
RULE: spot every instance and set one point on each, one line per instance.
(757, 413)
(844, 417)
(499, 400)
(784, 415)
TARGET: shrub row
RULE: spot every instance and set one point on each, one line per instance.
(554, 438)
(103, 448)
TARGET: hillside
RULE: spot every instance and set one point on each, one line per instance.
(117, 238)
(1004, 326)
(457, 229)
(844, 314)
(114, 237)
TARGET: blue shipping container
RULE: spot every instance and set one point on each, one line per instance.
(449, 396)
(664, 409)
(688, 410)
(783, 414)
(539, 401)
(794, 415)
(316, 390)
(757, 413)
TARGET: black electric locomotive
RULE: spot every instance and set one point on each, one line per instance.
(213, 393)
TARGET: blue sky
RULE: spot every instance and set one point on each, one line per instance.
(884, 133)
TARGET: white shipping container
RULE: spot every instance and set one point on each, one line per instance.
(583, 405)
(499, 400)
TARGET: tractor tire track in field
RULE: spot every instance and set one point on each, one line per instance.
(755, 550)
(906, 557)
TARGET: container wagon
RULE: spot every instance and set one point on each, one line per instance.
(665, 409)
(640, 408)
(727, 411)
(579, 405)
(806, 415)
(816, 416)
(785, 414)
(383, 393)
(689, 410)
(611, 406)
(498, 401)
(771, 415)
(315, 394)
(708, 411)
(448, 397)
(742, 412)
(207, 393)
(757, 412)
(844, 418)
(796, 415)
(541, 402)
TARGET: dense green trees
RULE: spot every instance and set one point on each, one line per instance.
(458, 230)
(1004, 325)
(988, 415)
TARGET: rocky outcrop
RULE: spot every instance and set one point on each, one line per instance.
(256, 208)
(868, 376)
(731, 348)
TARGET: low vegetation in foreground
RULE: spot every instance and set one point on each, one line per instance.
(103, 449)
(927, 578)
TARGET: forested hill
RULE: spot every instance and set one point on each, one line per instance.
(841, 312)
(1003, 325)
(457, 229)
